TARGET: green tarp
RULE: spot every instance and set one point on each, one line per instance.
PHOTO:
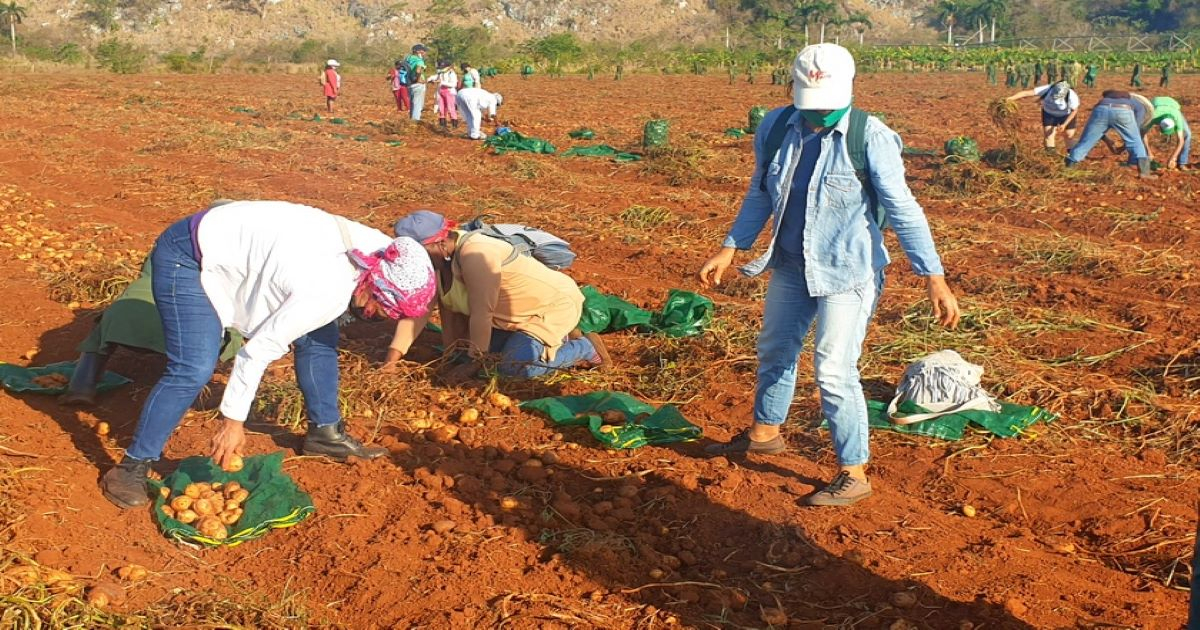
(1010, 421)
(643, 424)
(601, 150)
(582, 133)
(684, 314)
(735, 132)
(274, 500)
(513, 141)
(132, 320)
(15, 378)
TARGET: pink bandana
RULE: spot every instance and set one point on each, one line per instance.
(400, 277)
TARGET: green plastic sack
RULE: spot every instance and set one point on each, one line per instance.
(274, 500)
(684, 314)
(582, 133)
(962, 149)
(513, 141)
(735, 132)
(527, 70)
(601, 150)
(15, 378)
(654, 133)
(643, 423)
(336, 121)
(1012, 420)
(754, 117)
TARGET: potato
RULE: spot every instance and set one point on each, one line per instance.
(469, 417)
(209, 495)
(443, 433)
(204, 507)
(608, 428)
(613, 416)
(231, 487)
(166, 509)
(132, 572)
(422, 423)
(97, 598)
(23, 575)
(232, 516)
(241, 495)
(204, 486)
(164, 492)
(186, 517)
(216, 486)
(904, 599)
(181, 503)
(231, 505)
(968, 511)
(500, 400)
(234, 464)
(102, 428)
(192, 490)
(509, 503)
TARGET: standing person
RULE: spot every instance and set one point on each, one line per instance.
(1089, 78)
(1122, 112)
(398, 79)
(991, 73)
(826, 257)
(1024, 74)
(493, 299)
(1037, 72)
(1164, 79)
(280, 273)
(477, 105)
(1135, 79)
(1168, 117)
(447, 89)
(1060, 106)
(331, 83)
(470, 77)
(416, 80)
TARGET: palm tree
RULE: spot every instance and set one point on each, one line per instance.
(946, 12)
(860, 21)
(12, 15)
(810, 11)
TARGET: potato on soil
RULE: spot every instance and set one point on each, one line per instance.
(22, 574)
(132, 572)
(102, 428)
(509, 503)
(469, 417)
(500, 400)
(774, 617)
(444, 433)
(904, 599)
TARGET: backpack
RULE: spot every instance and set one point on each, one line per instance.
(856, 144)
(405, 74)
(944, 383)
(547, 248)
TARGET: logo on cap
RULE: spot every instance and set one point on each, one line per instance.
(816, 75)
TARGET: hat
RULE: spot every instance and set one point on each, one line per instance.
(399, 276)
(444, 63)
(333, 63)
(424, 226)
(419, 48)
(499, 98)
(1167, 126)
(823, 76)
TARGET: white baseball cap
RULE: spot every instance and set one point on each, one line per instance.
(499, 98)
(1167, 125)
(823, 77)
(332, 62)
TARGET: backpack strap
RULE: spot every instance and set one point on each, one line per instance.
(980, 402)
(516, 252)
(856, 146)
(775, 136)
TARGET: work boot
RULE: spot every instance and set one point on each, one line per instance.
(81, 391)
(741, 444)
(1143, 165)
(333, 442)
(125, 484)
(843, 490)
(442, 123)
(455, 123)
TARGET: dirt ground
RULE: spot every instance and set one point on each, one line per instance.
(1080, 294)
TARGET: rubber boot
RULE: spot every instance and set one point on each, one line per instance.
(333, 442)
(1143, 165)
(81, 391)
(442, 123)
(455, 123)
(125, 484)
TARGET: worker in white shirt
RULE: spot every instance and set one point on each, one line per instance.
(447, 82)
(474, 104)
(281, 274)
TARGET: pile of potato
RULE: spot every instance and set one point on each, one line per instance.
(51, 381)
(209, 507)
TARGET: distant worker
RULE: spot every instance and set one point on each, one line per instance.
(398, 80)
(1089, 78)
(470, 77)
(416, 80)
(526, 71)
(1135, 79)
(1038, 70)
(447, 90)
(1121, 112)
(476, 105)
(991, 73)
(1164, 79)
(331, 83)
(1060, 106)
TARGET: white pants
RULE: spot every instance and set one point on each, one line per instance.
(474, 118)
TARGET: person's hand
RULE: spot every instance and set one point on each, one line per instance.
(710, 274)
(945, 305)
(229, 441)
(1170, 166)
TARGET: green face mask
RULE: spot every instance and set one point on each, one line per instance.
(818, 119)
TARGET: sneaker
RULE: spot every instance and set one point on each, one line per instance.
(741, 444)
(843, 490)
(125, 484)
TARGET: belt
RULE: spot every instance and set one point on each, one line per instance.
(1117, 106)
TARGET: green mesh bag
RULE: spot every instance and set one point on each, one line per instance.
(274, 500)
(962, 149)
(754, 118)
(654, 133)
(643, 424)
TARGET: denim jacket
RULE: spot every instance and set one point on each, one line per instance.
(843, 248)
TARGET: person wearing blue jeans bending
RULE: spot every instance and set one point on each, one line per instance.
(1121, 112)
(280, 274)
(826, 258)
(495, 299)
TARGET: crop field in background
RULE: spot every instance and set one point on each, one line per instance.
(1080, 294)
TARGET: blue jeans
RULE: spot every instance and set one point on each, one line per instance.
(521, 354)
(1103, 118)
(841, 326)
(193, 335)
(417, 92)
(1186, 154)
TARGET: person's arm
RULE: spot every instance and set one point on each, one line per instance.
(407, 330)
(1179, 142)
(1022, 94)
(481, 274)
